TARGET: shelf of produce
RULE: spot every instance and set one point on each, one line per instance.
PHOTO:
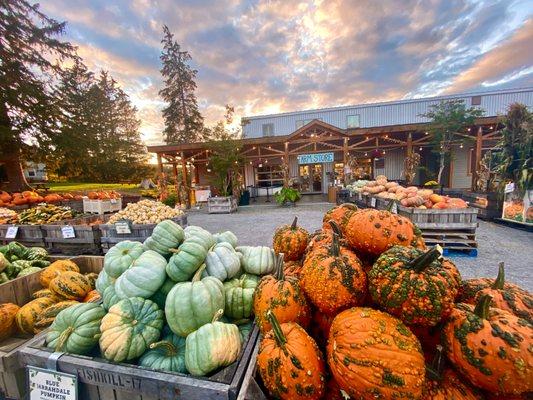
(19, 291)
(139, 232)
(86, 238)
(28, 235)
(99, 379)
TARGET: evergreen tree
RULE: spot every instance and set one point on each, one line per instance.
(183, 121)
(28, 43)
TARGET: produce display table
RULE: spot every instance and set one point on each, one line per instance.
(86, 238)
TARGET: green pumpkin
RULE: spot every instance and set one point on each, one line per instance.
(226, 237)
(212, 346)
(166, 235)
(199, 235)
(239, 293)
(36, 253)
(76, 329)
(120, 257)
(29, 270)
(166, 355)
(258, 260)
(129, 328)
(186, 261)
(103, 282)
(190, 305)
(222, 262)
(245, 328)
(109, 297)
(145, 276)
(160, 296)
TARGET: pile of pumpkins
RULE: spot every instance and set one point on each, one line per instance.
(17, 260)
(31, 197)
(62, 286)
(362, 309)
(180, 302)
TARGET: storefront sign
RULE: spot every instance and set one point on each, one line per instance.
(317, 158)
(46, 385)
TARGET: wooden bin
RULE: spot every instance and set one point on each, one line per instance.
(28, 235)
(221, 205)
(86, 240)
(139, 232)
(441, 219)
(19, 291)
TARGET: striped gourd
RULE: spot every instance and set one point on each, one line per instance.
(46, 293)
(71, 285)
(55, 269)
(30, 312)
(46, 318)
(92, 276)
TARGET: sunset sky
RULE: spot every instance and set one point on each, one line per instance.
(270, 56)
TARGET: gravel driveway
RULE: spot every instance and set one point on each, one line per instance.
(255, 226)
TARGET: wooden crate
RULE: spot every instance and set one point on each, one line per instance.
(99, 379)
(446, 219)
(221, 205)
(87, 240)
(101, 206)
(28, 235)
(19, 291)
(139, 232)
(76, 205)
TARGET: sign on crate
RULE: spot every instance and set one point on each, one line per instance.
(44, 384)
(394, 208)
(122, 227)
(68, 232)
(12, 232)
(373, 201)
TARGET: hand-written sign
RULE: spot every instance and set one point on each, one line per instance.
(12, 232)
(394, 208)
(122, 227)
(67, 232)
(373, 202)
(317, 158)
(45, 385)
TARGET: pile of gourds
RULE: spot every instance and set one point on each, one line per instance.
(363, 310)
(181, 301)
(62, 286)
(8, 216)
(146, 212)
(45, 214)
(17, 260)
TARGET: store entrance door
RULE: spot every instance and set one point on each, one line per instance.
(311, 178)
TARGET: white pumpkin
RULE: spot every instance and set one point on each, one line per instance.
(222, 261)
(258, 260)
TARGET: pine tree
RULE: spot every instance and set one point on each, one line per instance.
(28, 43)
(183, 121)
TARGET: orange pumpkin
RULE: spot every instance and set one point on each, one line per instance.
(373, 355)
(490, 347)
(93, 195)
(92, 297)
(68, 196)
(290, 362)
(291, 240)
(78, 197)
(55, 269)
(333, 277)
(8, 311)
(371, 231)
(292, 268)
(324, 237)
(5, 197)
(283, 296)
(18, 201)
(340, 214)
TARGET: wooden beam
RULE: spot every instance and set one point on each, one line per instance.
(477, 154)
(183, 169)
(175, 171)
(159, 163)
(345, 151)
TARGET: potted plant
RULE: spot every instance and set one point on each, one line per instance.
(287, 196)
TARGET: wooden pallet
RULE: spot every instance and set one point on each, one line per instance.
(221, 205)
(452, 241)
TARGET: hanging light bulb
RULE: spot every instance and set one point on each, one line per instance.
(250, 163)
(266, 161)
(461, 146)
(384, 152)
(420, 148)
(366, 154)
(426, 133)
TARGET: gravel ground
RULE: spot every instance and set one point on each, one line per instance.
(255, 226)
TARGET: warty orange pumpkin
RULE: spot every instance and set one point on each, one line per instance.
(290, 362)
(340, 214)
(291, 240)
(292, 268)
(8, 311)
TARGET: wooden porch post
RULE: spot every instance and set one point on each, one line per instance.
(175, 171)
(183, 169)
(159, 163)
(345, 151)
(477, 160)
(409, 144)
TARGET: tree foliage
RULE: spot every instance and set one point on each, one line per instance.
(183, 121)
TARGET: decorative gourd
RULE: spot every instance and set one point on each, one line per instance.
(291, 240)
(129, 328)
(45, 319)
(283, 296)
(28, 271)
(258, 260)
(333, 278)
(143, 278)
(373, 355)
(167, 235)
(413, 285)
(76, 329)
(239, 293)
(92, 276)
(290, 363)
(490, 347)
(212, 346)
(199, 235)
(160, 296)
(222, 262)
(166, 355)
(109, 297)
(92, 297)
(46, 293)
(186, 261)
(103, 282)
(8, 311)
(55, 269)
(190, 305)
(292, 268)
(508, 298)
(226, 237)
(371, 232)
(340, 214)
(71, 285)
(120, 257)
(29, 312)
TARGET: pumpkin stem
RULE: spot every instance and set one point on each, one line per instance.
(175, 251)
(62, 340)
(422, 261)
(168, 348)
(218, 315)
(294, 223)
(434, 371)
(198, 274)
(335, 246)
(278, 333)
(335, 228)
(500, 279)
(482, 306)
(349, 206)
(280, 272)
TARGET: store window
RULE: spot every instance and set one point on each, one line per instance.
(269, 175)
(268, 129)
(31, 172)
(476, 100)
(352, 121)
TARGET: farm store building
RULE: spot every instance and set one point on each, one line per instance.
(372, 138)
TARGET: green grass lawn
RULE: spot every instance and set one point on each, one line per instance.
(63, 187)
